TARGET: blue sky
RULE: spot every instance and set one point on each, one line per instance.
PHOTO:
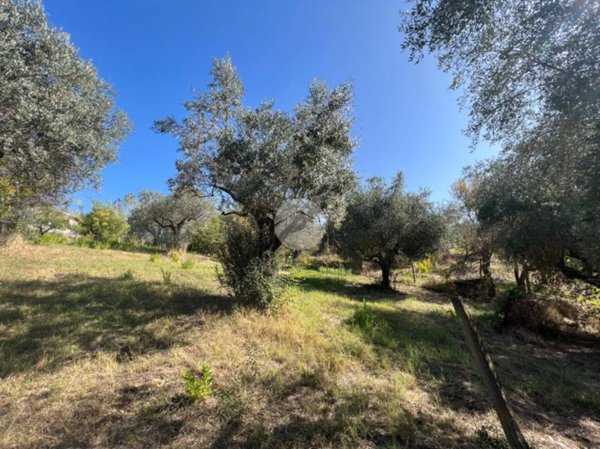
(154, 52)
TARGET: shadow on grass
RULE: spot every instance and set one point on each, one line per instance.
(561, 377)
(46, 324)
(328, 283)
(349, 422)
(139, 416)
(543, 380)
(143, 422)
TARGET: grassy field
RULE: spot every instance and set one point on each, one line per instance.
(94, 343)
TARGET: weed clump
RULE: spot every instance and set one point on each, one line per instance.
(199, 387)
(175, 256)
(188, 264)
(167, 277)
(127, 276)
(373, 327)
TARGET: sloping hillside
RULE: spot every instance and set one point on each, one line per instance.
(94, 344)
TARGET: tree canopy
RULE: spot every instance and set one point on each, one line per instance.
(254, 159)
(529, 71)
(104, 223)
(58, 122)
(385, 225)
(522, 63)
(47, 218)
(167, 219)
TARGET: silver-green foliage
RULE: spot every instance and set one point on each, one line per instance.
(255, 158)
(529, 71)
(168, 220)
(248, 273)
(58, 122)
(385, 225)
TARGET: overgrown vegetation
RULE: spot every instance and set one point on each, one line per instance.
(94, 343)
(167, 220)
(389, 227)
(528, 86)
(339, 364)
(199, 386)
(104, 224)
(60, 126)
(248, 273)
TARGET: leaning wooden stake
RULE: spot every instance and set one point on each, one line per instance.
(490, 379)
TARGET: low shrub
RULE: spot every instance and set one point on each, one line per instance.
(209, 237)
(199, 387)
(51, 239)
(249, 273)
(424, 266)
(175, 255)
(363, 317)
(188, 264)
(155, 258)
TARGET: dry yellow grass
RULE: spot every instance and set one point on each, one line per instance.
(93, 358)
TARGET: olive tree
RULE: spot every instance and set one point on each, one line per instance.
(168, 219)
(521, 63)
(516, 202)
(47, 218)
(476, 242)
(529, 71)
(386, 225)
(254, 159)
(58, 122)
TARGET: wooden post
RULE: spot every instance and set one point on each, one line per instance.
(490, 378)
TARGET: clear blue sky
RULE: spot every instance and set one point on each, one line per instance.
(154, 52)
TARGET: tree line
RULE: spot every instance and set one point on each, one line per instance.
(527, 82)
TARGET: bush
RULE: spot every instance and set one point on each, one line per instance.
(188, 264)
(198, 387)
(249, 273)
(154, 258)
(209, 238)
(175, 256)
(104, 224)
(51, 239)
(424, 266)
(363, 317)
